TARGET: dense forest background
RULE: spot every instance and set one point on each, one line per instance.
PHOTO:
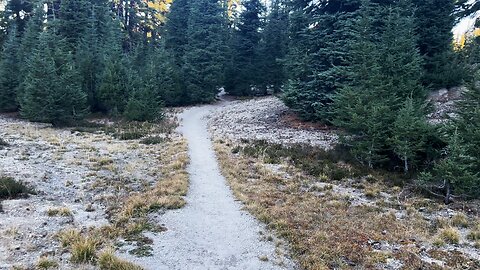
(363, 66)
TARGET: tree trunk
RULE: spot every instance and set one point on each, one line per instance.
(447, 192)
(405, 169)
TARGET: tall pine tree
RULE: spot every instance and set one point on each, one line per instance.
(10, 76)
(246, 62)
(52, 87)
(205, 51)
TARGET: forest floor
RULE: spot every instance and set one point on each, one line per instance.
(333, 213)
(111, 192)
(92, 188)
(211, 231)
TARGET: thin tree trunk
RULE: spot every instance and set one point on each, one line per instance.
(447, 192)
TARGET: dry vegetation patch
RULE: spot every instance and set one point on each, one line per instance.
(339, 216)
(96, 185)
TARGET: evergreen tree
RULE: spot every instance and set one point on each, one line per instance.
(467, 121)
(10, 76)
(400, 59)
(435, 20)
(176, 42)
(29, 42)
(454, 175)
(91, 48)
(274, 47)
(205, 52)
(73, 21)
(118, 79)
(52, 90)
(409, 133)
(246, 60)
(363, 106)
(176, 36)
(18, 13)
(117, 83)
(316, 60)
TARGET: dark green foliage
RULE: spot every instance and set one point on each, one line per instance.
(73, 21)
(205, 51)
(434, 28)
(313, 161)
(245, 72)
(116, 84)
(409, 133)
(144, 105)
(274, 47)
(316, 61)
(52, 90)
(10, 188)
(454, 175)
(384, 87)
(176, 38)
(467, 121)
(10, 77)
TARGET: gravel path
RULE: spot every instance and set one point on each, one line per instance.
(212, 231)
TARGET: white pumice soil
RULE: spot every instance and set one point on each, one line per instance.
(211, 231)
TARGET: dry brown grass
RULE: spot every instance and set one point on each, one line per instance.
(108, 261)
(60, 211)
(327, 231)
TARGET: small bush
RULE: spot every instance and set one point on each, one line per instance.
(62, 211)
(153, 140)
(68, 237)
(108, 261)
(449, 235)
(474, 234)
(45, 263)
(10, 188)
(83, 250)
(460, 220)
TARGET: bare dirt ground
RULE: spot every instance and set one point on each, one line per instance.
(84, 183)
(333, 214)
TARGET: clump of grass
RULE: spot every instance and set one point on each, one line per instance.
(474, 234)
(84, 250)
(68, 237)
(460, 220)
(10, 188)
(152, 140)
(45, 263)
(448, 235)
(61, 211)
(108, 261)
(372, 192)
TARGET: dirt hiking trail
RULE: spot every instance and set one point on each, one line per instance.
(211, 231)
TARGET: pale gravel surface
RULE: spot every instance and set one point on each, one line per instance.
(259, 119)
(211, 231)
(63, 168)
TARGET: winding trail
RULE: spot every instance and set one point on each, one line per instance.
(211, 231)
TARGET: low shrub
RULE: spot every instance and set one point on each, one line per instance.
(45, 263)
(10, 188)
(108, 261)
(84, 250)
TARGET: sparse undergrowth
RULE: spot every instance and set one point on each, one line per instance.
(333, 214)
(90, 172)
(10, 188)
